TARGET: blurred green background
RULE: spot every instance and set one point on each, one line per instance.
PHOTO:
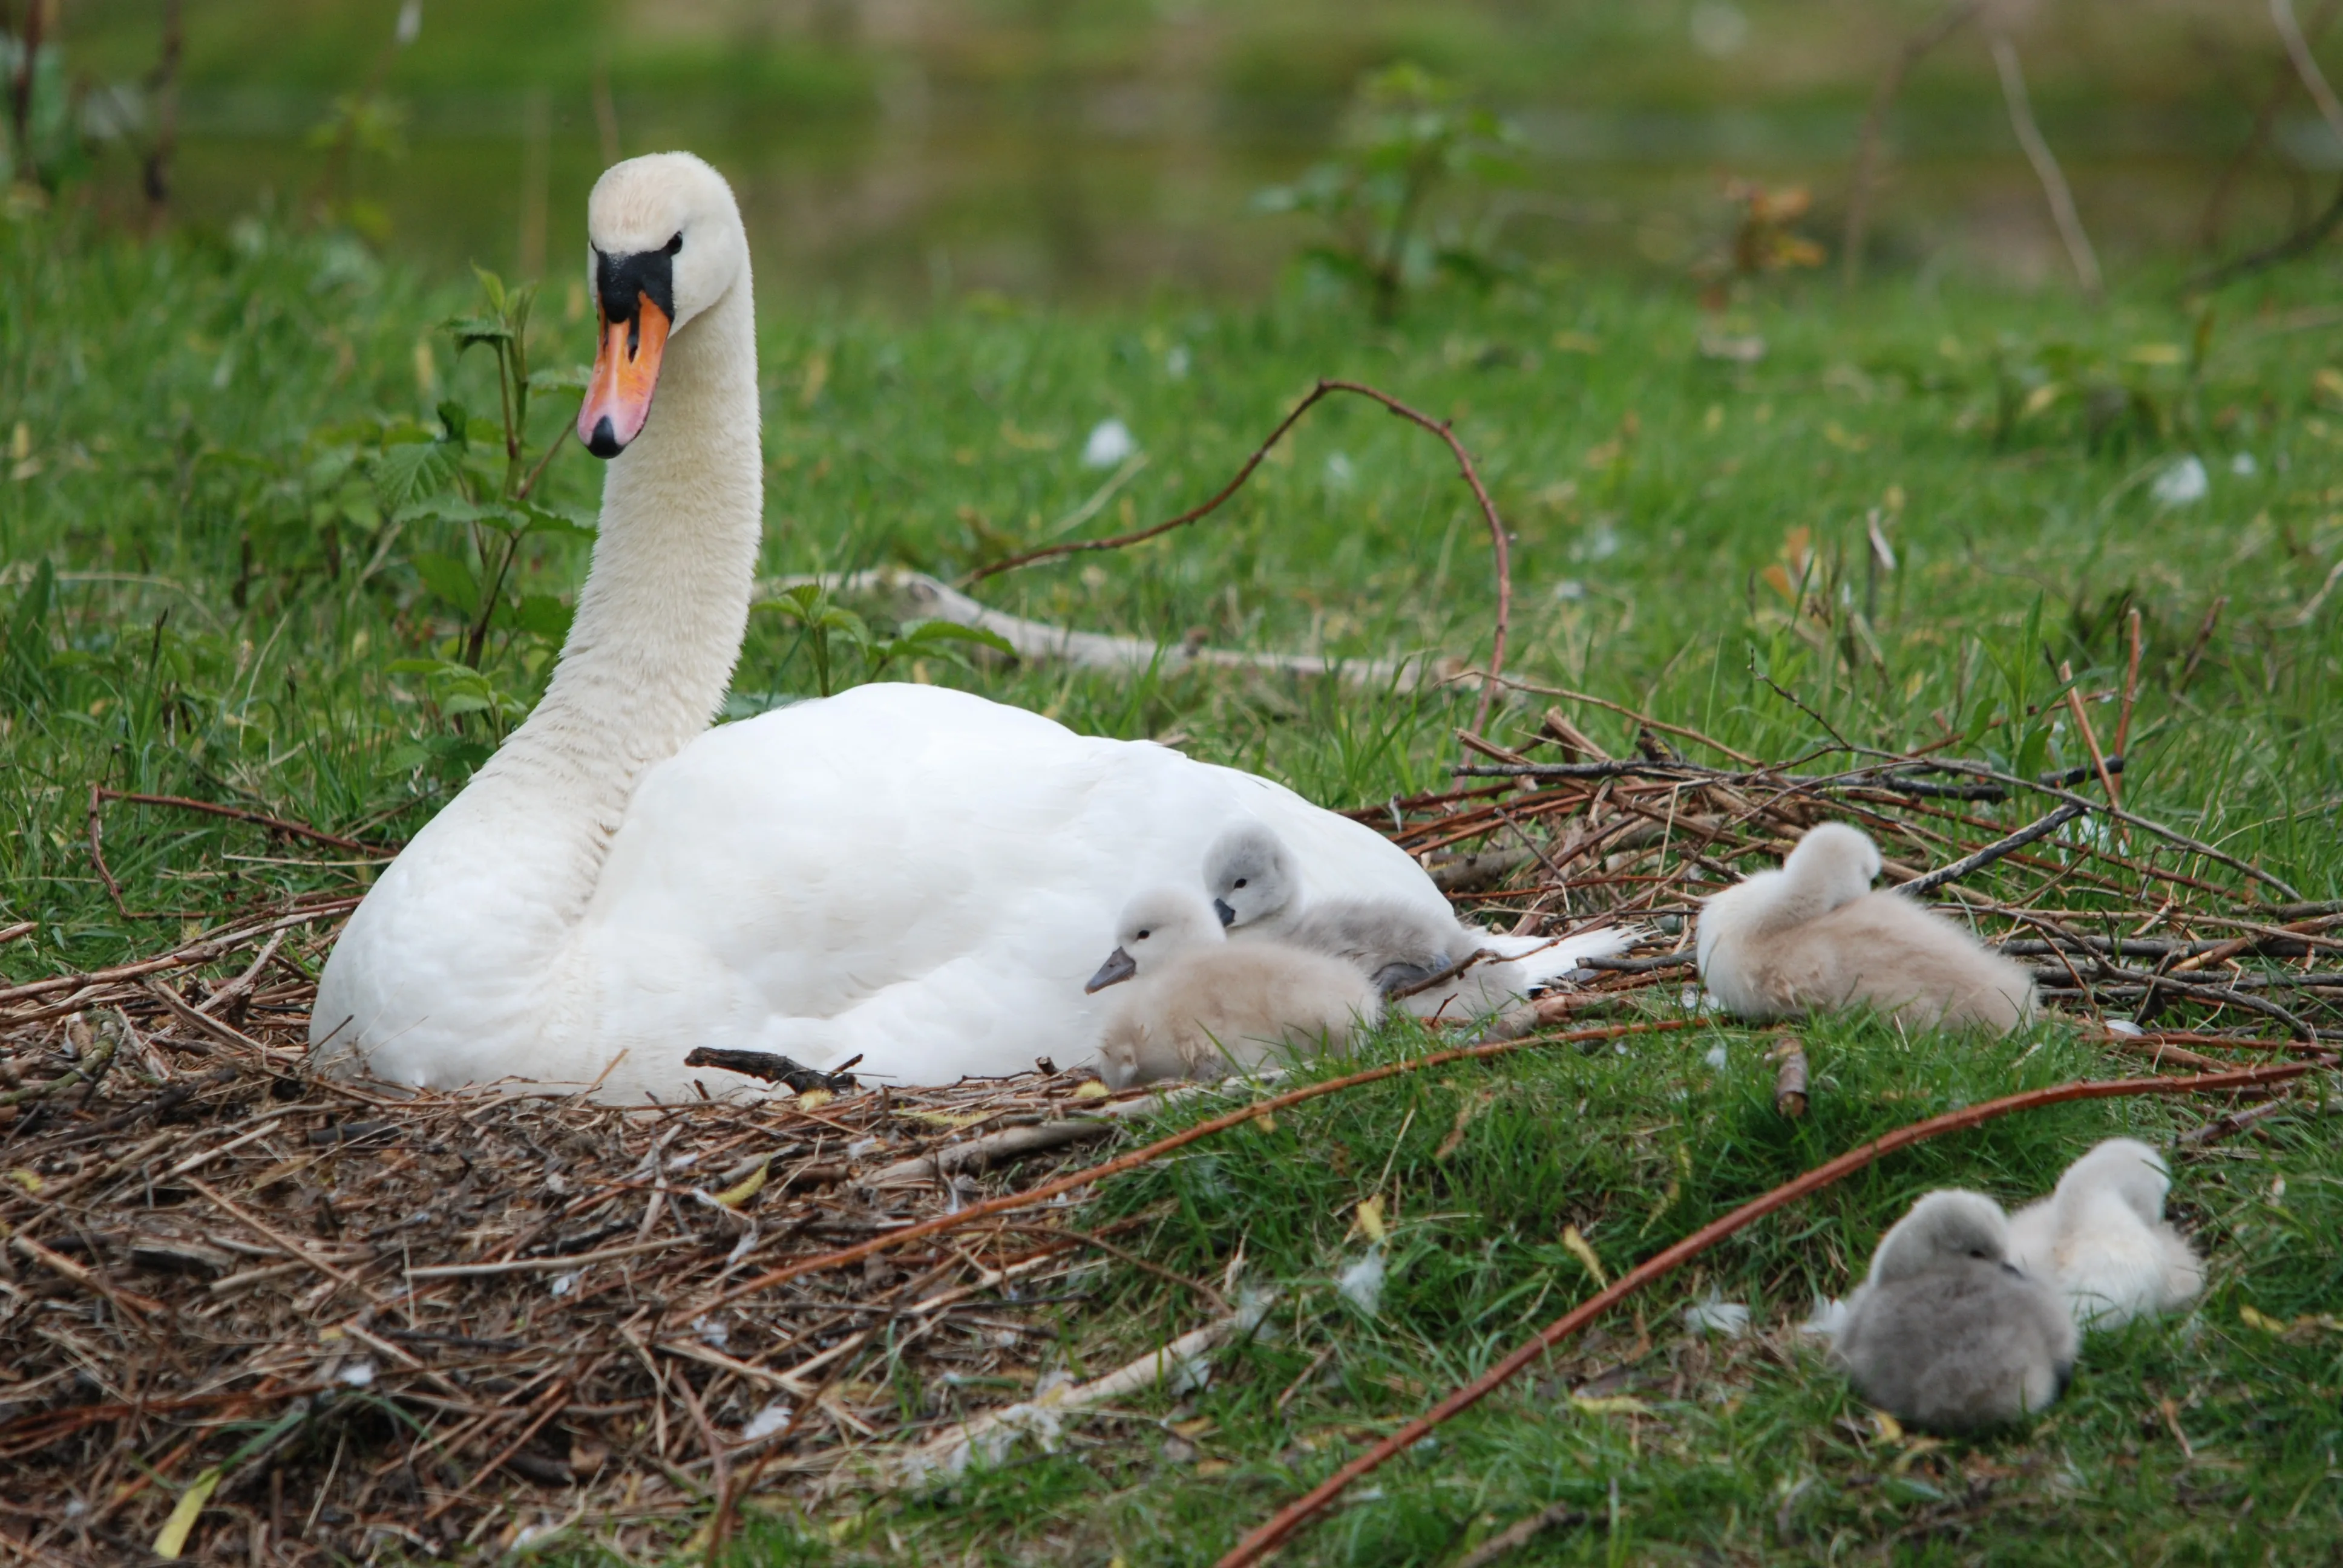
(895, 151)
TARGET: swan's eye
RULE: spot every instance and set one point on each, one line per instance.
(675, 243)
(1142, 936)
(1240, 882)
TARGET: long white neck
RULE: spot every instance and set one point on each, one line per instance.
(659, 620)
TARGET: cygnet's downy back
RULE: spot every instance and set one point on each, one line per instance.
(1253, 887)
(1946, 1335)
(1195, 1005)
(1811, 936)
(1257, 892)
(2101, 1239)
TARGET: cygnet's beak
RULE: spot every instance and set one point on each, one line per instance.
(1119, 967)
(1228, 916)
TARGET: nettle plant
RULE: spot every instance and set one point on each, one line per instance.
(1404, 199)
(467, 493)
(827, 625)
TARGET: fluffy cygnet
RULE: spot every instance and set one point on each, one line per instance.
(1257, 894)
(1944, 1333)
(1813, 936)
(2101, 1239)
(1251, 879)
(1199, 1005)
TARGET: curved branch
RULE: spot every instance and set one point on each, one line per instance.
(1326, 388)
(1292, 1517)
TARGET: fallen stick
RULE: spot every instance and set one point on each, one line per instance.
(257, 819)
(1281, 1526)
(931, 599)
(2041, 828)
(198, 952)
(1874, 119)
(1135, 1158)
(1520, 1532)
(772, 1068)
(1790, 1077)
(2055, 189)
(992, 1149)
(952, 1450)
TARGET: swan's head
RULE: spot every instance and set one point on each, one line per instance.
(1248, 875)
(1155, 929)
(2126, 1167)
(665, 242)
(1835, 861)
(1943, 1228)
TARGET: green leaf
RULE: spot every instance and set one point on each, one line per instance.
(544, 519)
(448, 578)
(454, 507)
(574, 377)
(928, 633)
(455, 419)
(470, 331)
(543, 614)
(415, 472)
(492, 287)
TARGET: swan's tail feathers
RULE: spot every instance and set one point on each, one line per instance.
(1544, 959)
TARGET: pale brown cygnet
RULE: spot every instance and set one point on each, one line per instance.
(1200, 1006)
(1946, 1335)
(2101, 1240)
(1811, 937)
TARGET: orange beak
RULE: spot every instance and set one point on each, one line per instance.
(626, 373)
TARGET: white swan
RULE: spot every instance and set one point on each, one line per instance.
(2101, 1237)
(1946, 1334)
(1251, 880)
(910, 874)
(1190, 1003)
(1812, 936)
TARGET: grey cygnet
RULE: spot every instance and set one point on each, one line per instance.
(1946, 1334)
(1811, 936)
(1251, 879)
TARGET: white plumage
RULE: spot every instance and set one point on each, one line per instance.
(910, 874)
(1811, 936)
(1190, 1003)
(1252, 879)
(2102, 1239)
(1946, 1334)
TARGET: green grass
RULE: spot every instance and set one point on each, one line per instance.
(202, 597)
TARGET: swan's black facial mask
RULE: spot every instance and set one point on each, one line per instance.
(634, 298)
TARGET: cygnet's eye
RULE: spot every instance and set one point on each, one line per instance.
(1240, 882)
(675, 245)
(1142, 936)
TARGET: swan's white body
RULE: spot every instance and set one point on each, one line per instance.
(913, 875)
(2102, 1239)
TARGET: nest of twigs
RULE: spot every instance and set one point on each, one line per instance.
(250, 1312)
